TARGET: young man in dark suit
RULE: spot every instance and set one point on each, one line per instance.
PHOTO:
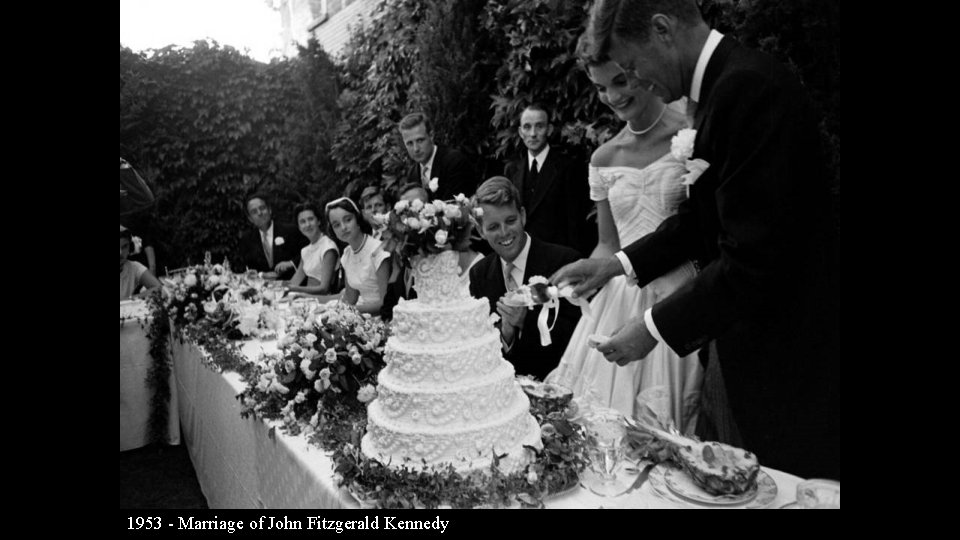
(758, 222)
(516, 257)
(552, 187)
(453, 171)
(271, 247)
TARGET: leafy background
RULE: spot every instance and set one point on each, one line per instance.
(205, 125)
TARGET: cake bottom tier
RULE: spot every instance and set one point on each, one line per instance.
(466, 449)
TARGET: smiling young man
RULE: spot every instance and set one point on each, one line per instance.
(516, 257)
(553, 188)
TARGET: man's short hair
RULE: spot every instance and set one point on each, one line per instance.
(370, 192)
(630, 19)
(413, 120)
(535, 106)
(497, 191)
(408, 186)
(255, 195)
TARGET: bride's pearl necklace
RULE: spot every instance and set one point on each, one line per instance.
(655, 122)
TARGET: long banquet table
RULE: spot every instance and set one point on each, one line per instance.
(240, 464)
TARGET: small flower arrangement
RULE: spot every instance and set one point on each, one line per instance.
(421, 228)
(681, 146)
(331, 357)
(189, 293)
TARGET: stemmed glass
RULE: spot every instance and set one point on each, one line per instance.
(605, 433)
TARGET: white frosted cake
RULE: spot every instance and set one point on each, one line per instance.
(446, 395)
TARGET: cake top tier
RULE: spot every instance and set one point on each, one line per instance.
(437, 281)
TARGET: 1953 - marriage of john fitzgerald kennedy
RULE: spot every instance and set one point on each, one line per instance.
(316, 523)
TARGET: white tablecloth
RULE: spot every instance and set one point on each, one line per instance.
(240, 466)
(135, 362)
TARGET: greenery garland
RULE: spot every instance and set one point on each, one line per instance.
(158, 376)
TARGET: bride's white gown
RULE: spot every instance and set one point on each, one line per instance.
(669, 384)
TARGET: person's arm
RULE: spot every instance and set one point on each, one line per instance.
(383, 274)
(149, 283)
(608, 242)
(151, 259)
(326, 276)
(293, 283)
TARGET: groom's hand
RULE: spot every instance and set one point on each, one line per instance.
(587, 275)
(631, 343)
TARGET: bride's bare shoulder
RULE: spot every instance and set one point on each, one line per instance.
(606, 154)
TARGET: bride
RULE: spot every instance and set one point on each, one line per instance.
(636, 184)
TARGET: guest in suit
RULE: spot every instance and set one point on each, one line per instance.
(758, 221)
(553, 188)
(516, 257)
(373, 201)
(453, 171)
(272, 248)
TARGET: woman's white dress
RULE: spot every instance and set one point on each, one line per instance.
(312, 256)
(360, 270)
(639, 201)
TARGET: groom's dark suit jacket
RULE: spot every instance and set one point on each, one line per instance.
(251, 248)
(557, 202)
(454, 171)
(759, 224)
(527, 355)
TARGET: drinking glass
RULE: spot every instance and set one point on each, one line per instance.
(605, 432)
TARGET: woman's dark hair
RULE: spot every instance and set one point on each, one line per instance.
(304, 206)
(347, 204)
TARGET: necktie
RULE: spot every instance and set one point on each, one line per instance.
(267, 249)
(510, 282)
(425, 173)
(531, 183)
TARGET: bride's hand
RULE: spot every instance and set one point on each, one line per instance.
(587, 275)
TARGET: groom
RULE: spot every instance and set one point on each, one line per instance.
(758, 224)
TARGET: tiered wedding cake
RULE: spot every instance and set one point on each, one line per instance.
(447, 396)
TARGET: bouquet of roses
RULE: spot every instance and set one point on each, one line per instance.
(189, 293)
(333, 356)
(420, 228)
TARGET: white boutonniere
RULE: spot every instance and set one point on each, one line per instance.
(278, 241)
(681, 146)
(434, 184)
(441, 238)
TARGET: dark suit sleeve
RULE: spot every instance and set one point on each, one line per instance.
(761, 151)
(249, 255)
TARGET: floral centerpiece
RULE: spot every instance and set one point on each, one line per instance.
(331, 359)
(422, 228)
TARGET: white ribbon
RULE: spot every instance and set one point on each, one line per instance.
(545, 309)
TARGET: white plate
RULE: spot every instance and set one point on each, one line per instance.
(675, 484)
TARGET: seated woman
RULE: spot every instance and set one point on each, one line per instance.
(373, 201)
(133, 274)
(318, 259)
(365, 265)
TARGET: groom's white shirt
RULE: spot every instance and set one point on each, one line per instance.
(705, 53)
